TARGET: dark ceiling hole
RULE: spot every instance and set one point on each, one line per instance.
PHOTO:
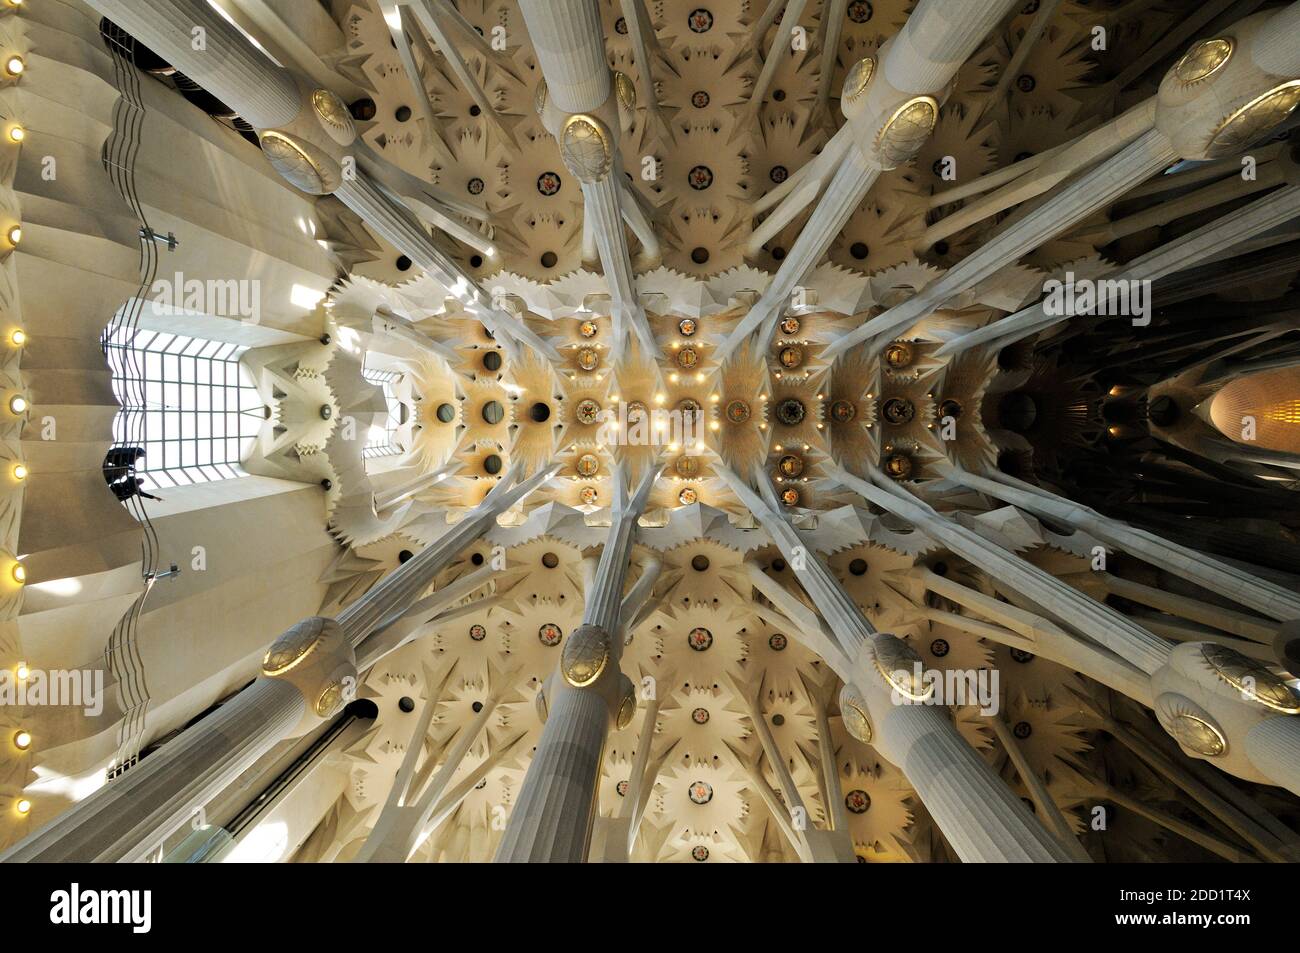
(858, 567)
(363, 110)
(474, 110)
(476, 261)
(1022, 729)
(941, 248)
(477, 706)
(403, 113)
(859, 250)
(699, 255)
(700, 563)
(406, 703)
(778, 719)
(404, 555)
(550, 560)
(778, 95)
(492, 360)
(477, 559)
(549, 259)
(778, 253)
(403, 263)
(540, 412)
(446, 413)
(940, 568)
(493, 412)
(492, 464)
(778, 565)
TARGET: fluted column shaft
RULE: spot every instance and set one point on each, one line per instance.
(130, 815)
(937, 39)
(1178, 255)
(227, 65)
(1092, 191)
(1273, 747)
(1206, 571)
(1274, 49)
(977, 813)
(570, 45)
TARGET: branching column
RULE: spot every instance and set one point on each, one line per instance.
(552, 820)
(307, 675)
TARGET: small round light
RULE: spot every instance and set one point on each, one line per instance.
(22, 739)
(18, 338)
(20, 471)
(17, 134)
(19, 573)
(15, 65)
(22, 805)
(22, 671)
(17, 403)
(15, 234)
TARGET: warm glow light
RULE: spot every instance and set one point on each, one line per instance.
(22, 671)
(673, 378)
(15, 65)
(660, 398)
(20, 471)
(18, 338)
(714, 425)
(22, 806)
(15, 234)
(18, 403)
(306, 298)
(22, 740)
(16, 134)
(19, 573)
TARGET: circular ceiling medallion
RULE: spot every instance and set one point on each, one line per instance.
(688, 496)
(585, 147)
(701, 792)
(790, 325)
(475, 186)
(790, 465)
(687, 357)
(1202, 60)
(620, 27)
(687, 466)
(843, 411)
(1021, 656)
(588, 465)
(687, 326)
(548, 183)
(621, 788)
(699, 853)
(939, 648)
(636, 411)
(700, 639)
(700, 716)
(950, 408)
(898, 411)
(1191, 726)
(688, 407)
(549, 634)
(700, 20)
(737, 411)
(587, 329)
(588, 495)
(858, 78)
(790, 356)
(700, 177)
(1022, 730)
(790, 496)
(777, 642)
(587, 411)
(898, 466)
(477, 633)
(1250, 122)
(700, 99)
(853, 709)
(860, 11)
(588, 358)
(586, 656)
(857, 801)
(790, 411)
(1251, 677)
(778, 174)
(898, 354)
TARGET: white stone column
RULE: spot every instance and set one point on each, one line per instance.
(227, 65)
(552, 820)
(1258, 594)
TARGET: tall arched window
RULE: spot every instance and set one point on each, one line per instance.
(186, 401)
